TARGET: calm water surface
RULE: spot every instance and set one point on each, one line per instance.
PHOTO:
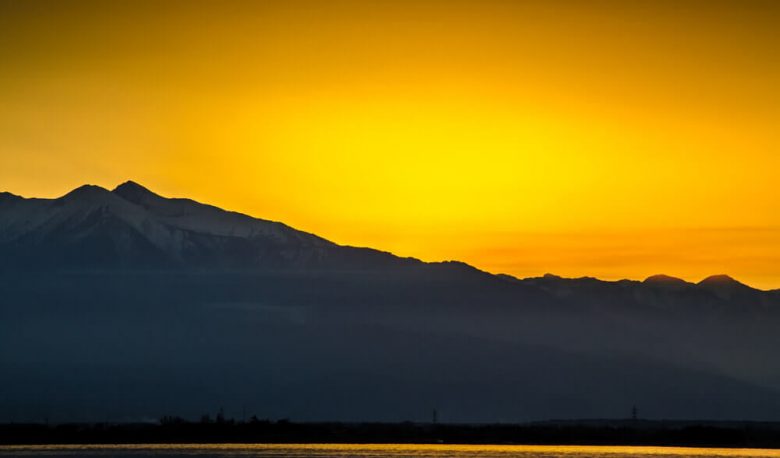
(374, 451)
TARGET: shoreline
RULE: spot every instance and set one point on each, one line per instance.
(584, 433)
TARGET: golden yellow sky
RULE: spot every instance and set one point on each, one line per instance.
(616, 139)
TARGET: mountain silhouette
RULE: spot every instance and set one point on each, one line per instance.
(123, 304)
(132, 227)
(662, 279)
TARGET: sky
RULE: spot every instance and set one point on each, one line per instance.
(615, 139)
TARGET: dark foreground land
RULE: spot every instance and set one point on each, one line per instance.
(587, 432)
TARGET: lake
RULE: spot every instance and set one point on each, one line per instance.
(372, 451)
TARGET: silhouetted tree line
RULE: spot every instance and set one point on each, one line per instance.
(172, 429)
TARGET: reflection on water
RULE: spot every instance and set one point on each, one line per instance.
(373, 450)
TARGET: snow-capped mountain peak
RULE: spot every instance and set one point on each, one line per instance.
(115, 226)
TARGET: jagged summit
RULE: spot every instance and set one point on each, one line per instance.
(131, 186)
(136, 193)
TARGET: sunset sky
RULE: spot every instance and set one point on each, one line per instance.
(616, 139)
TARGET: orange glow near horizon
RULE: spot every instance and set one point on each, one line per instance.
(602, 138)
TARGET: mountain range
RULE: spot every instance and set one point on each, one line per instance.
(124, 305)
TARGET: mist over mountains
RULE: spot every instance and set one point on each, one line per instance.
(125, 305)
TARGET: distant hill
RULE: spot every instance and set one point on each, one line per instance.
(126, 305)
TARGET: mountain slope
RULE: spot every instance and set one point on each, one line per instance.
(133, 228)
(125, 304)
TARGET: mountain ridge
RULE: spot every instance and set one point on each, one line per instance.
(125, 303)
(174, 231)
(183, 212)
